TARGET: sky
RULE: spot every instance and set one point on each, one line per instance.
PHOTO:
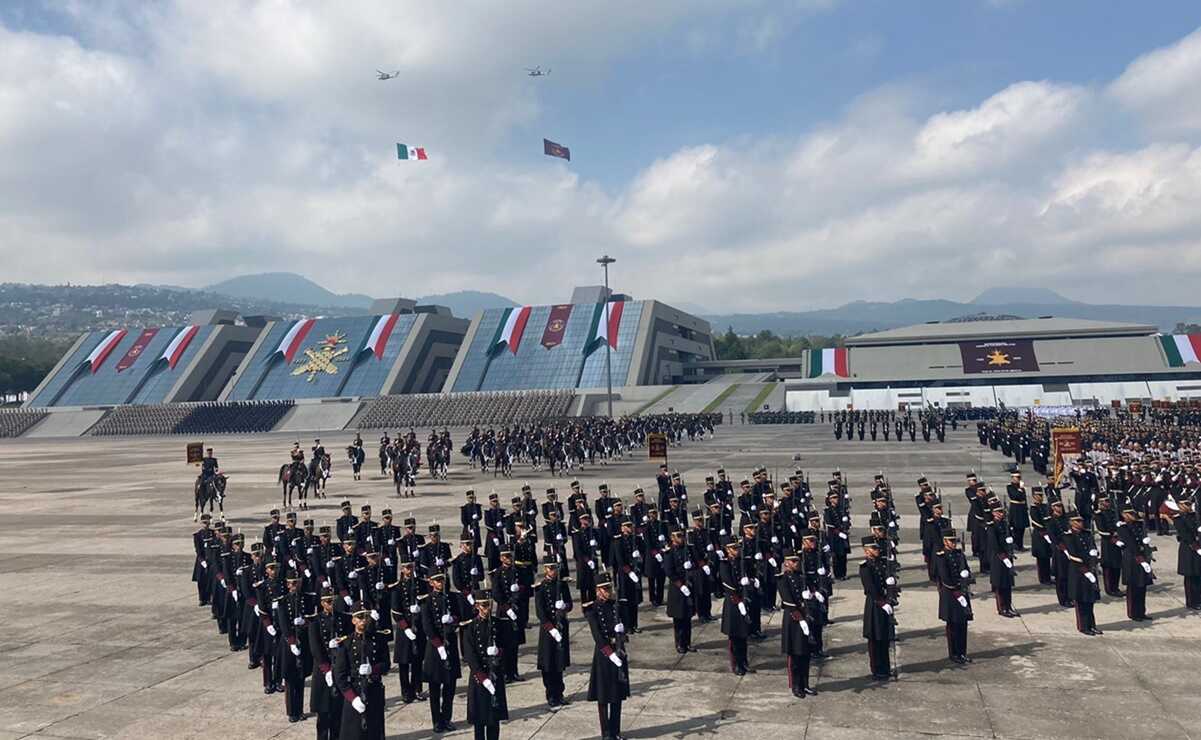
(740, 155)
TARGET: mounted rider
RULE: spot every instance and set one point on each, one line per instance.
(209, 469)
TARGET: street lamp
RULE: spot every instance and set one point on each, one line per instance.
(604, 262)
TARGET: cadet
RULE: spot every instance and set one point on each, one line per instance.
(954, 595)
(797, 629)
(1188, 554)
(361, 661)
(409, 648)
(487, 704)
(1082, 582)
(326, 632)
(552, 602)
(677, 565)
(609, 679)
(735, 613)
(1136, 564)
(442, 668)
(878, 626)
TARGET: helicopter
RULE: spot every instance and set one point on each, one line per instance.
(537, 72)
(385, 75)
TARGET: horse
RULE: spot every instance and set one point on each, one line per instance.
(208, 493)
(355, 454)
(293, 476)
(318, 473)
(383, 459)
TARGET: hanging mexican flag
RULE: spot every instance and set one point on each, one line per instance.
(289, 345)
(98, 355)
(604, 332)
(377, 340)
(511, 328)
(830, 361)
(1181, 349)
(176, 348)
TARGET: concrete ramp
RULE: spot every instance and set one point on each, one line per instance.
(66, 423)
(318, 417)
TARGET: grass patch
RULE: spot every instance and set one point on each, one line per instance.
(655, 400)
(753, 406)
(717, 401)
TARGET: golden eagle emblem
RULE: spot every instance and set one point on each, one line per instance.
(322, 357)
(998, 358)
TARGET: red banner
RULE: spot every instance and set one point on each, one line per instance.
(136, 350)
(556, 324)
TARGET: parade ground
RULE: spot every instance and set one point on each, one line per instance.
(102, 636)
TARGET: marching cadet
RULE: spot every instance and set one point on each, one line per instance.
(1040, 540)
(815, 569)
(797, 629)
(273, 528)
(375, 580)
(655, 535)
(837, 534)
(200, 576)
(364, 528)
(1019, 517)
(232, 564)
(999, 544)
(1058, 529)
(627, 569)
(677, 566)
(878, 626)
(435, 554)
(552, 602)
(467, 569)
(494, 526)
(506, 592)
(441, 667)
(409, 648)
(252, 626)
(978, 514)
(553, 503)
(702, 576)
(969, 493)
(487, 704)
(935, 525)
(753, 566)
(1105, 524)
(609, 679)
(347, 567)
(1188, 554)
(1136, 564)
(326, 631)
(359, 665)
(585, 547)
(954, 595)
(554, 540)
(386, 537)
(270, 589)
(735, 615)
(769, 553)
(293, 656)
(1081, 555)
(345, 523)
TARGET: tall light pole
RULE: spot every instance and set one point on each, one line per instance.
(604, 262)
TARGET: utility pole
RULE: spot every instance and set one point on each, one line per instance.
(604, 262)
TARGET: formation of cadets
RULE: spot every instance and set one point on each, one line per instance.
(931, 422)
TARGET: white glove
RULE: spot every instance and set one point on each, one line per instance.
(1146, 540)
(894, 524)
(348, 600)
(475, 517)
(374, 615)
(637, 554)
(1008, 563)
(271, 630)
(758, 556)
(821, 571)
(890, 581)
(592, 543)
(1119, 543)
(633, 576)
(805, 627)
(965, 573)
(555, 633)
(442, 652)
(615, 659)
(487, 683)
(685, 590)
(492, 651)
(439, 561)
(257, 611)
(710, 547)
(511, 615)
(742, 608)
(1093, 552)
(659, 557)
(687, 565)
(359, 705)
(559, 537)
(409, 633)
(842, 535)
(825, 548)
(722, 533)
(772, 561)
(204, 564)
(414, 609)
(962, 601)
(619, 628)
(662, 538)
(475, 571)
(706, 569)
(1146, 567)
(821, 598)
(846, 519)
(329, 679)
(332, 644)
(887, 608)
(234, 594)
(514, 588)
(392, 541)
(291, 563)
(592, 564)
(756, 580)
(309, 574)
(364, 669)
(447, 619)
(793, 528)
(774, 539)
(298, 621)
(1091, 578)
(295, 650)
(744, 581)
(353, 574)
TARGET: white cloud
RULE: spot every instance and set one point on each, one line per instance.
(188, 142)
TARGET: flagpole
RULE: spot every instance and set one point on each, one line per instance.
(604, 262)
